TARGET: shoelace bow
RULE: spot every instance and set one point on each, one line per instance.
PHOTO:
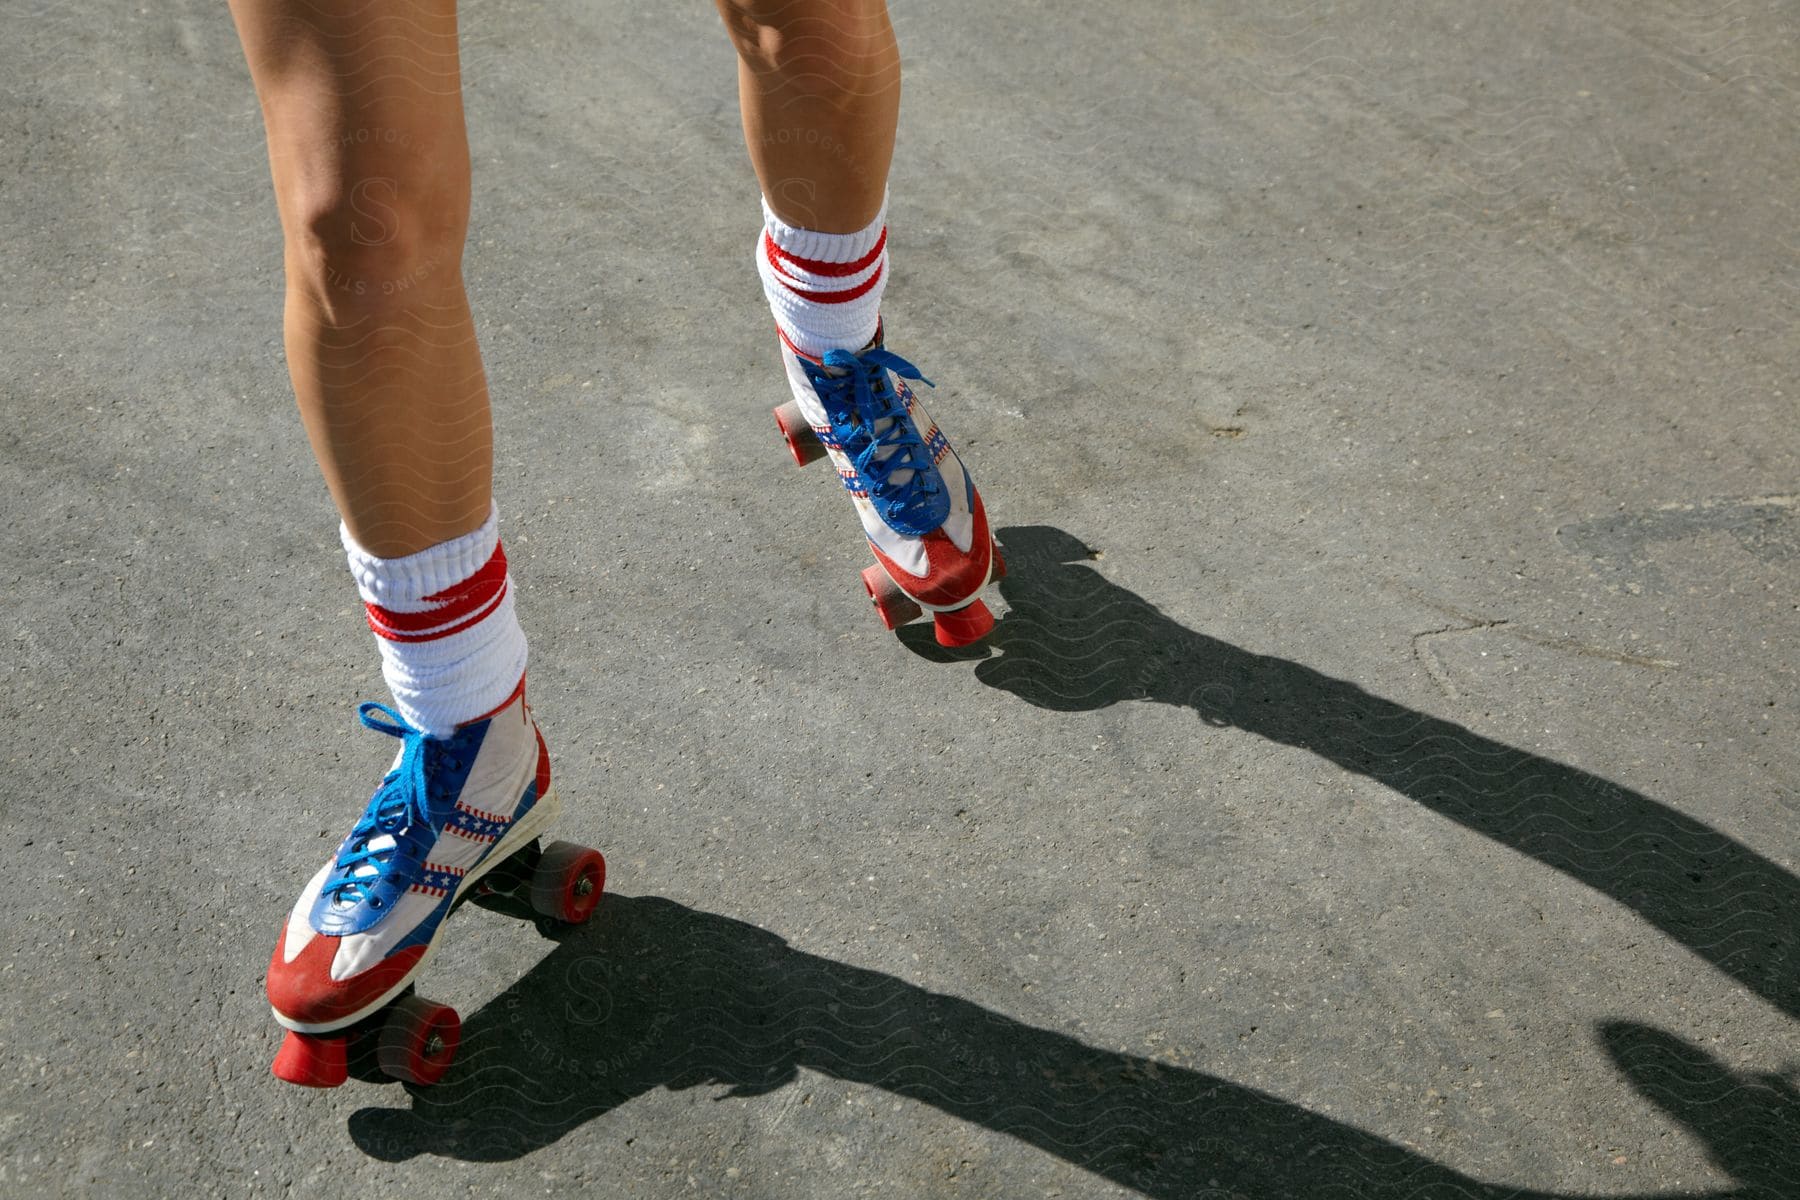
(402, 801)
(862, 399)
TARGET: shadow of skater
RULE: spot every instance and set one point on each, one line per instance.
(1074, 641)
(654, 994)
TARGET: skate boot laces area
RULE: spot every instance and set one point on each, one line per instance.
(402, 802)
(869, 420)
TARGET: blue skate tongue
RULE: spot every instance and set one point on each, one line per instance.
(402, 801)
(889, 454)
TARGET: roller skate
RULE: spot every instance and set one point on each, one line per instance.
(455, 819)
(918, 506)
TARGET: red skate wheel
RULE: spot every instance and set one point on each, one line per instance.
(970, 623)
(312, 1060)
(999, 569)
(798, 434)
(568, 882)
(418, 1040)
(893, 606)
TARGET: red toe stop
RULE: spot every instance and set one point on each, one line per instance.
(970, 623)
(312, 1060)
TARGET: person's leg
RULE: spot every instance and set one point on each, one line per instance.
(363, 108)
(819, 89)
(819, 83)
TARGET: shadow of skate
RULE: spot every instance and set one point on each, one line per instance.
(1749, 1122)
(657, 995)
(1074, 641)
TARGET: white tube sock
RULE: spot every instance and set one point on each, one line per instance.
(824, 288)
(451, 645)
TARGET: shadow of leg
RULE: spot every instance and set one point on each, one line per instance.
(1075, 641)
(659, 995)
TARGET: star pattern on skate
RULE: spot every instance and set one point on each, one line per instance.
(475, 825)
(438, 881)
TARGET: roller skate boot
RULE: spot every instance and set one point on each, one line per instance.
(455, 818)
(918, 506)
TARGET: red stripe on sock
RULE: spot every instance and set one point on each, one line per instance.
(813, 266)
(476, 595)
(848, 294)
(435, 634)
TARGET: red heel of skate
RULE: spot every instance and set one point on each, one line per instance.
(801, 441)
(313, 1060)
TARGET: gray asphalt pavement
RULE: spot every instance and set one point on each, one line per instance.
(1383, 780)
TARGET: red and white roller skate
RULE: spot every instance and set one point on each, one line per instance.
(918, 505)
(456, 818)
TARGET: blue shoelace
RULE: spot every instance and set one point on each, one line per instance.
(856, 403)
(402, 802)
